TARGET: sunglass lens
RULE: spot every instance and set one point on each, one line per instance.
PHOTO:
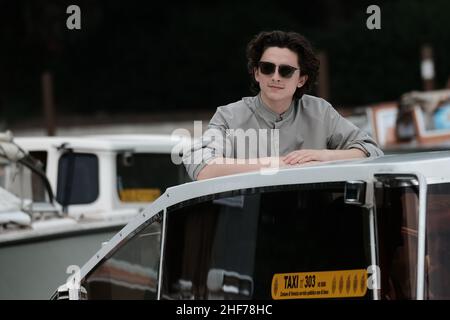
(267, 67)
(286, 71)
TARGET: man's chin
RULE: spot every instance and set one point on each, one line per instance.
(277, 97)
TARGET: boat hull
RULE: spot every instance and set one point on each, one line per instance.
(33, 269)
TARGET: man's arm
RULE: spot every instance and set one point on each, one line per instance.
(226, 166)
(307, 155)
(344, 135)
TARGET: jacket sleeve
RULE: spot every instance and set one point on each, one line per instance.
(212, 144)
(345, 135)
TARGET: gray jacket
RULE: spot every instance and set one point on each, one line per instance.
(249, 129)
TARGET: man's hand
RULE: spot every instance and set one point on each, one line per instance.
(308, 155)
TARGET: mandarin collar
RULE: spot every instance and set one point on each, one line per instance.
(269, 114)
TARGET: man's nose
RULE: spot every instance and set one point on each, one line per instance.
(276, 76)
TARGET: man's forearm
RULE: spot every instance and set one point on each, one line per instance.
(348, 154)
(226, 166)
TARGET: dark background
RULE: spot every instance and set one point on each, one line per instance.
(179, 56)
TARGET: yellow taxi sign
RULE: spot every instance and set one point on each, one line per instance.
(324, 284)
(139, 195)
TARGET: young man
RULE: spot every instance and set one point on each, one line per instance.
(285, 126)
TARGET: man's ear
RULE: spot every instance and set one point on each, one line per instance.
(302, 80)
(256, 74)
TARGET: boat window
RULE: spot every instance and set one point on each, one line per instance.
(22, 182)
(143, 177)
(77, 178)
(437, 259)
(246, 244)
(397, 216)
(397, 209)
(131, 272)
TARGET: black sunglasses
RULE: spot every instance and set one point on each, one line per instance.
(284, 70)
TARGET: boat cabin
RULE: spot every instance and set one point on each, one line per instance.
(376, 228)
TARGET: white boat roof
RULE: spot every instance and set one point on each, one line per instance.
(137, 142)
(434, 166)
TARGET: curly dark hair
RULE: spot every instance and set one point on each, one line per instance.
(309, 64)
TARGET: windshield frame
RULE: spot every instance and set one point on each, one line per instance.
(419, 180)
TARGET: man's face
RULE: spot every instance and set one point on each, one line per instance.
(274, 87)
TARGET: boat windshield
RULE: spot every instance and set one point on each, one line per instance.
(283, 242)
